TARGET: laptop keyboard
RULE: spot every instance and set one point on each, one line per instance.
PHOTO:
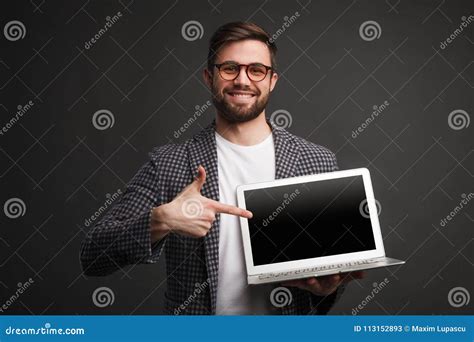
(315, 269)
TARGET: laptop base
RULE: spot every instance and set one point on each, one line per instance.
(323, 270)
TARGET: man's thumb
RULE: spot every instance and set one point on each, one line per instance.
(200, 179)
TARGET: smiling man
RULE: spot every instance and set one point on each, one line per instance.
(194, 220)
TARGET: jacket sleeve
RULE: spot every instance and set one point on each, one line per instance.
(122, 237)
(322, 305)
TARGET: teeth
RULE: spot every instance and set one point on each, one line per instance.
(242, 95)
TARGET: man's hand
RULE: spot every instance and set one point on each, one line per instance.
(325, 285)
(190, 213)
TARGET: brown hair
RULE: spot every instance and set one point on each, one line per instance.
(237, 31)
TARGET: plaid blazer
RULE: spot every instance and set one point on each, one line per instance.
(122, 236)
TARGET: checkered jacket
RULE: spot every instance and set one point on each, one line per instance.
(122, 236)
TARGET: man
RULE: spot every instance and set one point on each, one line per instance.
(195, 222)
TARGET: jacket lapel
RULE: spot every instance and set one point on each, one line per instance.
(286, 152)
(203, 151)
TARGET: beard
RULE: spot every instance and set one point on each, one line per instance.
(239, 113)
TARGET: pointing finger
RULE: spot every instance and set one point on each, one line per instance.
(231, 210)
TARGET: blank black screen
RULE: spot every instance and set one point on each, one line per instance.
(314, 219)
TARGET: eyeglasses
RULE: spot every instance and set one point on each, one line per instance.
(256, 72)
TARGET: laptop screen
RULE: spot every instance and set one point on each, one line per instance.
(309, 220)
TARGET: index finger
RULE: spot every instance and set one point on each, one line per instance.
(231, 210)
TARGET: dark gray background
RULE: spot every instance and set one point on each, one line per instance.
(149, 77)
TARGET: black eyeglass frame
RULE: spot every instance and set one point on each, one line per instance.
(268, 68)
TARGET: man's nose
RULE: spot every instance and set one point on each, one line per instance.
(242, 78)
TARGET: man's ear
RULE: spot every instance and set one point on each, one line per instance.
(207, 76)
(273, 80)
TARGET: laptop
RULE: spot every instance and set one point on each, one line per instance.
(311, 226)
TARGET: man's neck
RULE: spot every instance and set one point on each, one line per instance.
(244, 133)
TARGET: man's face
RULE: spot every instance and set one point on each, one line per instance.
(242, 99)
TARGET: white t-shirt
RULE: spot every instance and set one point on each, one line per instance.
(240, 165)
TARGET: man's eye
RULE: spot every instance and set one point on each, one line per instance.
(257, 70)
(230, 68)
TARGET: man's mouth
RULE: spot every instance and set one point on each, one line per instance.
(241, 94)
